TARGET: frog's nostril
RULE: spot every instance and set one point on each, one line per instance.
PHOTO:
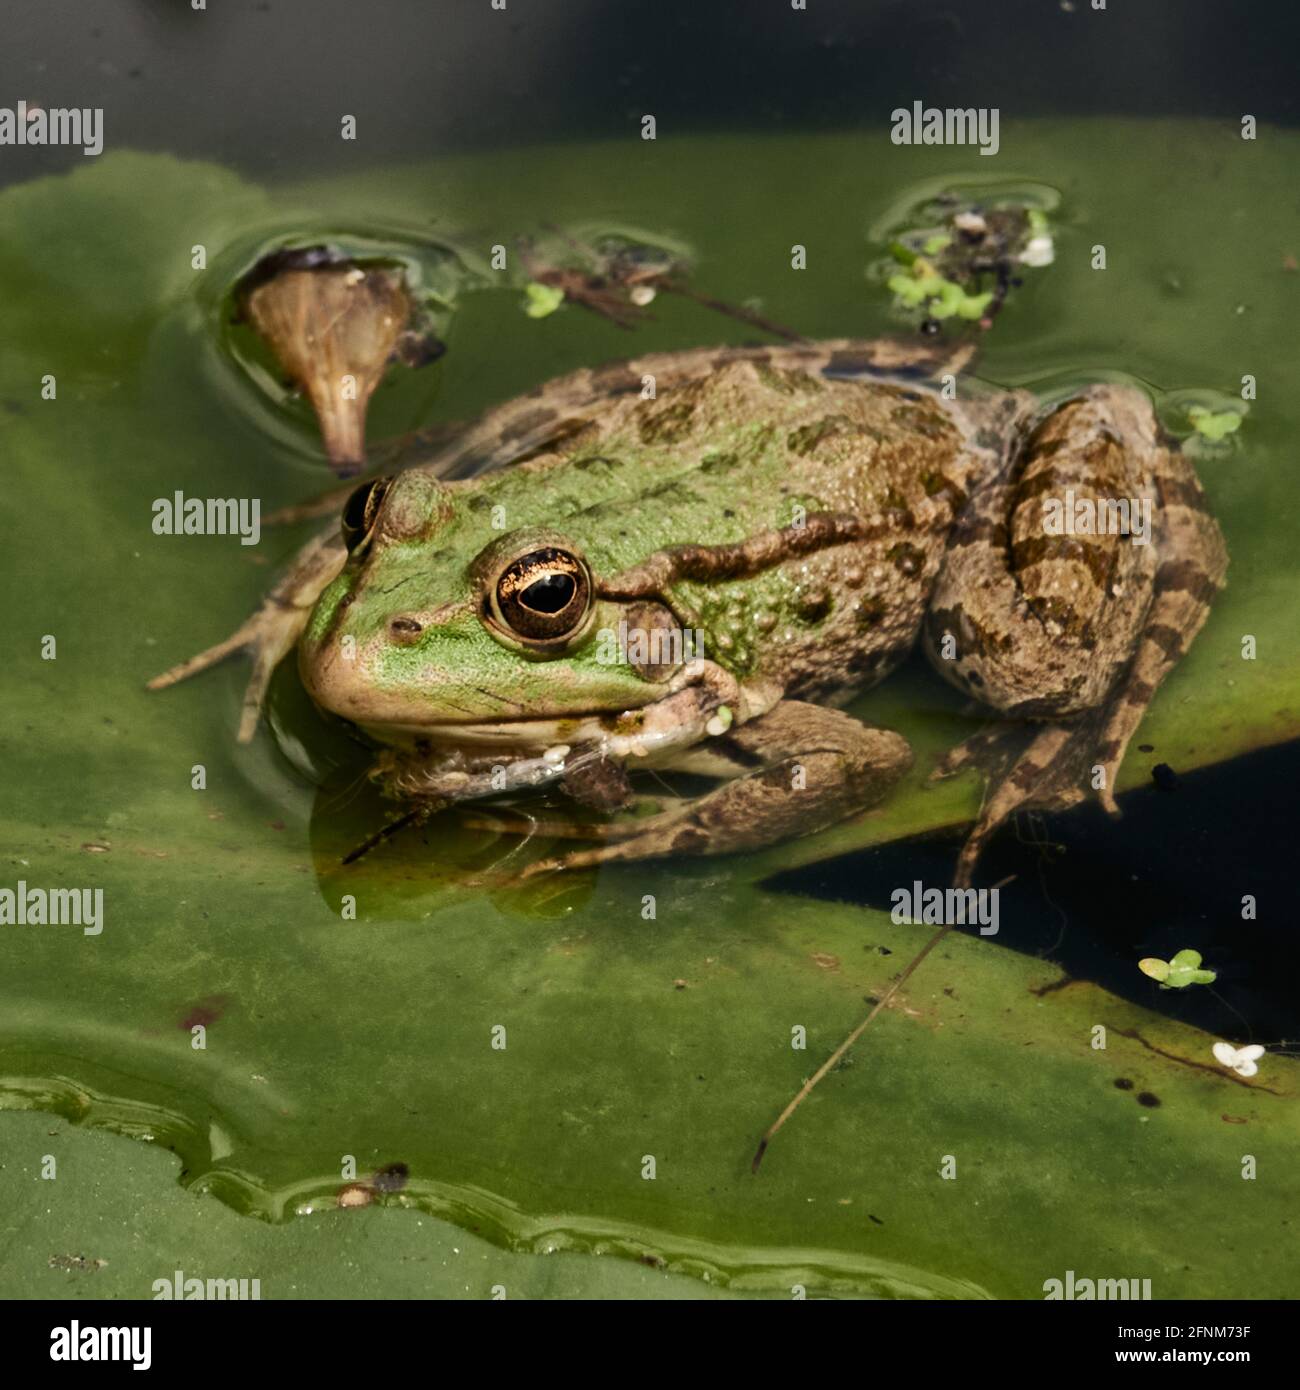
(404, 629)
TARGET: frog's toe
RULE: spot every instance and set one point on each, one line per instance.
(1040, 775)
(578, 859)
(267, 658)
(270, 635)
(651, 845)
(185, 669)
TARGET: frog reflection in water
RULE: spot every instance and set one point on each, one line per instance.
(807, 513)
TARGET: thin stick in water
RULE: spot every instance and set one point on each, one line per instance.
(848, 1042)
(378, 838)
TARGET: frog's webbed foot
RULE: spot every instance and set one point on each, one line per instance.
(1040, 767)
(271, 633)
(795, 770)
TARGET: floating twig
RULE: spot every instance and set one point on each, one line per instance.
(774, 1128)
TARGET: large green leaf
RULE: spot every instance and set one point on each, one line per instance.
(627, 1036)
(111, 1221)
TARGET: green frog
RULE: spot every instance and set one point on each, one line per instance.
(690, 561)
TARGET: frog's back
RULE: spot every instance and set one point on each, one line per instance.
(754, 447)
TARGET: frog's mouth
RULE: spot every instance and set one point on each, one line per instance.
(703, 700)
(400, 719)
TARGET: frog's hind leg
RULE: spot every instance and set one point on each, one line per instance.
(795, 770)
(271, 633)
(1075, 631)
(1020, 771)
(1190, 576)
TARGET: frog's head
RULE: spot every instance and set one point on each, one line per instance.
(444, 628)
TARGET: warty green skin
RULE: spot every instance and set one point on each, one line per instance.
(745, 451)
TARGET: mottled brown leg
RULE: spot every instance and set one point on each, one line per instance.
(1019, 772)
(795, 770)
(1076, 631)
(1194, 562)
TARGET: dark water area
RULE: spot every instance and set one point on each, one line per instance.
(262, 85)
(1094, 895)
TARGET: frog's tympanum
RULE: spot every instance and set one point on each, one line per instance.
(690, 561)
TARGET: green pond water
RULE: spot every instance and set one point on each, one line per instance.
(372, 1037)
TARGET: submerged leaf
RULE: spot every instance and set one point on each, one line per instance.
(333, 328)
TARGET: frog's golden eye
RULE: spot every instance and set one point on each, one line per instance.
(360, 512)
(542, 596)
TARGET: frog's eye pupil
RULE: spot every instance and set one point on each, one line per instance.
(361, 510)
(550, 594)
(543, 596)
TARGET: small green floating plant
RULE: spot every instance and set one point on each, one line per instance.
(1214, 425)
(1183, 970)
(965, 267)
(541, 300)
(922, 286)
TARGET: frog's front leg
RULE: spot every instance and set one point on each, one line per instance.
(271, 633)
(1070, 627)
(792, 771)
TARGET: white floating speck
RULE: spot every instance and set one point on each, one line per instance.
(1242, 1060)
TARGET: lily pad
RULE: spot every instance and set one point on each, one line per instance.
(648, 1013)
(114, 1223)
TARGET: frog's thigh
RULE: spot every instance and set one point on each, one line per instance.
(1085, 659)
(795, 770)
(1029, 617)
